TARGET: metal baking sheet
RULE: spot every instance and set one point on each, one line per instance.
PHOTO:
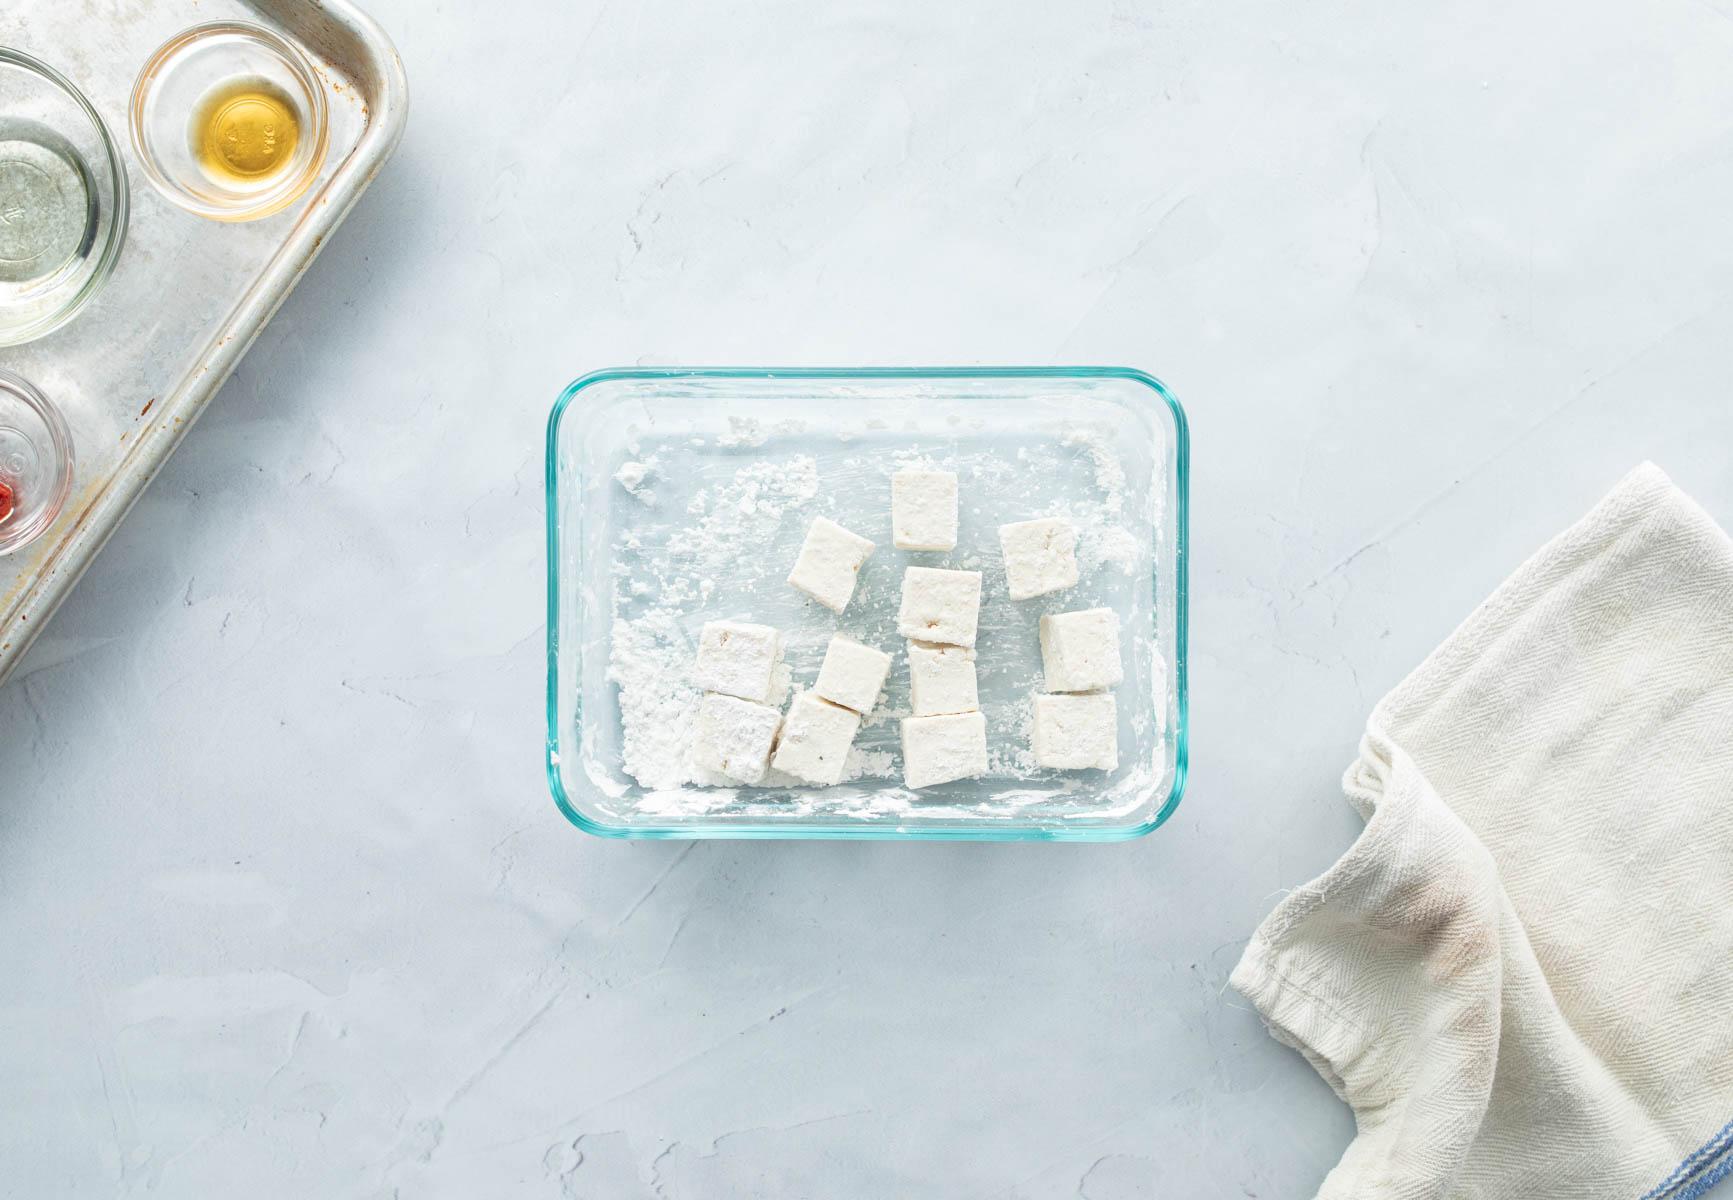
(134, 370)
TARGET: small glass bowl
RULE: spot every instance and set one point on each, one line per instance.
(63, 199)
(35, 462)
(177, 85)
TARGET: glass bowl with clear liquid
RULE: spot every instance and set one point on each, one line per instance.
(63, 199)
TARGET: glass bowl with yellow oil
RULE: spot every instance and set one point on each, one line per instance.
(229, 121)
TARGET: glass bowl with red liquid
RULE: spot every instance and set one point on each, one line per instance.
(35, 462)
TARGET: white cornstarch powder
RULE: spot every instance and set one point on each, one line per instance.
(710, 528)
(651, 661)
(653, 645)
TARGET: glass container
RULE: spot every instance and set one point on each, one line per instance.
(678, 496)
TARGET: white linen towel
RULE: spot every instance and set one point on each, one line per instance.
(1521, 975)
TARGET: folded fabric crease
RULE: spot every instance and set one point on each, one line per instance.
(1520, 976)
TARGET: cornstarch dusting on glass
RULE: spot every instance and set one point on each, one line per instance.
(725, 552)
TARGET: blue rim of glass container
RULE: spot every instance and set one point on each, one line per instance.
(959, 833)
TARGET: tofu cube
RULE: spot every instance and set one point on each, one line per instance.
(815, 740)
(924, 510)
(736, 659)
(852, 674)
(1074, 733)
(829, 563)
(943, 749)
(1080, 650)
(734, 736)
(940, 606)
(941, 680)
(1040, 556)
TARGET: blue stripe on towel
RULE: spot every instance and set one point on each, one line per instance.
(1693, 1178)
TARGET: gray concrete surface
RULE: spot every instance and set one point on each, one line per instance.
(285, 901)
